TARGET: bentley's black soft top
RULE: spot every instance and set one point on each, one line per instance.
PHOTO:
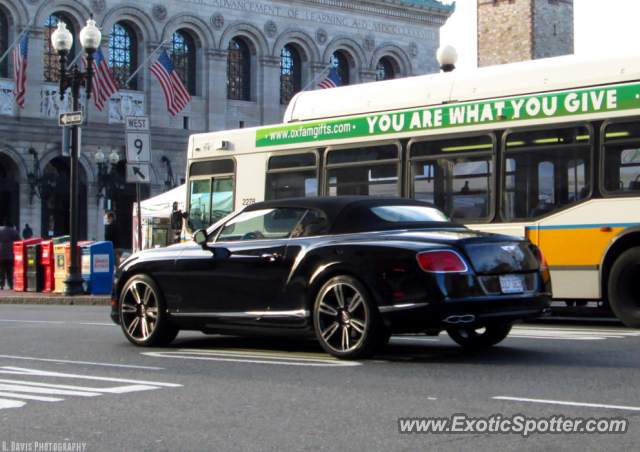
(352, 214)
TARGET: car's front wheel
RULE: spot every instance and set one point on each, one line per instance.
(346, 320)
(143, 313)
(476, 338)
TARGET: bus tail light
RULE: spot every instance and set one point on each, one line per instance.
(441, 262)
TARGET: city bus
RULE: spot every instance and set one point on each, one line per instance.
(547, 149)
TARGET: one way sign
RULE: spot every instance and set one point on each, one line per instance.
(138, 172)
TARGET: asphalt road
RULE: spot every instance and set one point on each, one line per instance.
(69, 377)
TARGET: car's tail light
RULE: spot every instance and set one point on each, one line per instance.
(441, 262)
(543, 261)
(544, 267)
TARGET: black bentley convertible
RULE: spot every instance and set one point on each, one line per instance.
(350, 270)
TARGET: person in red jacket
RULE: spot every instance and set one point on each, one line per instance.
(8, 235)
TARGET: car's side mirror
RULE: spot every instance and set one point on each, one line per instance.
(200, 237)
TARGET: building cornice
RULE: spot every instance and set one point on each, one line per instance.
(422, 11)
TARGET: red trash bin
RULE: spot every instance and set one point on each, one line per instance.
(46, 260)
(20, 263)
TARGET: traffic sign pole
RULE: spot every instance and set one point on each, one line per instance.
(138, 141)
(139, 217)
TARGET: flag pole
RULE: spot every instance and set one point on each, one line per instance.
(18, 39)
(80, 53)
(145, 62)
(317, 76)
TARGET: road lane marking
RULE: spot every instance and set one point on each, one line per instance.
(43, 373)
(560, 402)
(581, 334)
(50, 391)
(4, 403)
(40, 391)
(118, 390)
(254, 357)
(30, 397)
(58, 322)
(547, 333)
(82, 362)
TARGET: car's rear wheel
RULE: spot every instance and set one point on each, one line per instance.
(143, 313)
(476, 338)
(346, 320)
(624, 291)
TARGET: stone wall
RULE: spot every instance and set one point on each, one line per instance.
(552, 28)
(510, 31)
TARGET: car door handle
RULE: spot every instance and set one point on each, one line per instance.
(271, 256)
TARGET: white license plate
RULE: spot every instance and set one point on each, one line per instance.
(511, 284)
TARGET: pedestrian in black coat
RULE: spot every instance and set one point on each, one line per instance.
(8, 235)
(114, 233)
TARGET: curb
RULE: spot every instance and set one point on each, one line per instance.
(66, 301)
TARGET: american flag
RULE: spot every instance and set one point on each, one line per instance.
(104, 85)
(20, 70)
(332, 80)
(174, 91)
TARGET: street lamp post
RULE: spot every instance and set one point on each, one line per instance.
(447, 57)
(62, 40)
(108, 181)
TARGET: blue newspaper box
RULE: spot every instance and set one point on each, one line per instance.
(97, 267)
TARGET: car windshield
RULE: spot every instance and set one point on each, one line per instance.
(401, 214)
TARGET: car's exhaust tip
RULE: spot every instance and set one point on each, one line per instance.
(467, 318)
(546, 312)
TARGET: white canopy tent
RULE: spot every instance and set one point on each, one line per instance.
(162, 205)
(159, 208)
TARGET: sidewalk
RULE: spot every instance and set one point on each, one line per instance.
(10, 297)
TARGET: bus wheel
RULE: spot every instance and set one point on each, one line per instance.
(624, 290)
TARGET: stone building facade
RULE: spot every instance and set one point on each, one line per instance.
(236, 57)
(510, 31)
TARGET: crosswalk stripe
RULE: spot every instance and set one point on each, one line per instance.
(51, 391)
(5, 403)
(30, 397)
(40, 391)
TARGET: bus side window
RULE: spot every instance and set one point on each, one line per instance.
(292, 176)
(456, 175)
(622, 158)
(366, 170)
(545, 171)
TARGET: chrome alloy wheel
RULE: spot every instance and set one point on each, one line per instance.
(342, 317)
(139, 310)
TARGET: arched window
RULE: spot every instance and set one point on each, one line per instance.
(183, 58)
(123, 55)
(385, 70)
(4, 43)
(238, 70)
(51, 58)
(341, 64)
(290, 73)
